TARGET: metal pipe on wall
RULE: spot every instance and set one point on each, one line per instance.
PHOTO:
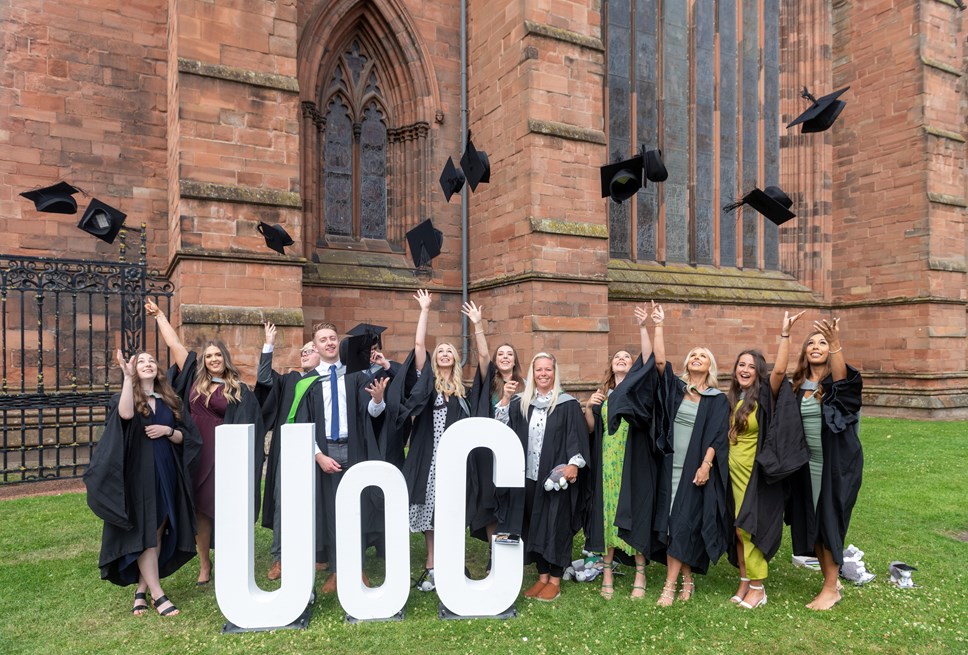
(464, 194)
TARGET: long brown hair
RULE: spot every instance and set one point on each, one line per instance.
(739, 422)
(497, 384)
(608, 380)
(803, 369)
(162, 388)
(203, 379)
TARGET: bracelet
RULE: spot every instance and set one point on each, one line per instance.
(834, 352)
(707, 463)
(784, 336)
(171, 433)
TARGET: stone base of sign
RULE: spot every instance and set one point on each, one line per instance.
(299, 624)
(445, 614)
(399, 616)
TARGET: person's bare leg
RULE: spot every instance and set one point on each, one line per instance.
(638, 586)
(668, 595)
(203, 541)
(608, 587)
(148, 566)
(830, 593)
(744, 582)
(688, 584)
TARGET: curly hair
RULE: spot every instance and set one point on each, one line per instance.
(203, 379)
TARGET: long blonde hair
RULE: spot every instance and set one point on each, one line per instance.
(711, 376)
(531, 390)
(203, 379)
(451, 385)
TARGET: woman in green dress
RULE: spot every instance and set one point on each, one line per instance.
(623, 466)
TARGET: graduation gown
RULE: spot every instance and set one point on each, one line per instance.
(247, 410)
(556, 516)
(120, 481)
(699, 528)
(481, 493)
(361, 446)
(843, 466)
(761, 513)
(410, 396)
(633, 401)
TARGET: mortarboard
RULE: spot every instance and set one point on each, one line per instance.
(373, 332)
(821, 114)
(425, 242)
(276, 237)
(475, 165)
(771, 202)
(56, 199)
(357, 353)
(451, 179)
(101, 220)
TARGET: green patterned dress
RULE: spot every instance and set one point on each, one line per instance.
(613, 458)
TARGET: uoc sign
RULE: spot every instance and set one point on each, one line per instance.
(247, 606)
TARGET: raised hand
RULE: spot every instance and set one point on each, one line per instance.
(377, 388)
(829, 329)
(376, 357)
(423, 298)
(270, 334)
(641, 315)
(472, 312)
(658, 314)
(152, 309)
(510, 388)
(127, 367)
(597, 398)
(788, 322)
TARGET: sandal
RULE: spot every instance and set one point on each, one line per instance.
(142, 607)
(736, 597)
(166, 612)
(426, 581)
(639, 568)
(688, 586)
(668, 595)
(761, 601)
(608, 589)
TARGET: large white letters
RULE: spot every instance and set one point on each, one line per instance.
(238, 596)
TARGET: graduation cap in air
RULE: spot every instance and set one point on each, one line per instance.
(56, 199)
(372, 332)
(771, 202)
(822, 113)
(425, 242)
(452, 179)
(276, 237)
(623, 179)
(354, 352)
(102, 221)
(475, 165)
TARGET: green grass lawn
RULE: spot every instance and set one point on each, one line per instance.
(912, 507)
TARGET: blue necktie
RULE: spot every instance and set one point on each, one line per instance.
(334, 396)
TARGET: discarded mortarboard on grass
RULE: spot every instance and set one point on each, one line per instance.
(276, 237)
(771, 202)
(55, 199)
(475, 165)
(806, 562)
(425, 242)
(102, 221)
(901, 575)
(621, 180)
(357, 353)
(373, 332)
(451, 179)
(853, 569)
(821, 114)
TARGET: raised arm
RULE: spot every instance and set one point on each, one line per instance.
(420, 342)
(782, 353)
(178, 351)
(264, 374)
(658, 342)
(835, 357)
(126, 404)
(642, 316)
(473, 312)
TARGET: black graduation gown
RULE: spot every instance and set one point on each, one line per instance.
(361, 446)
(843, 466)
(699, 527)
(633, 401)
(556, 516)
(120, 482)
(247, 410)
(482, 503)
(276, 400)
(416, 400)
(761, 512)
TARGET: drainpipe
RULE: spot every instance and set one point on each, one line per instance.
(464, 194)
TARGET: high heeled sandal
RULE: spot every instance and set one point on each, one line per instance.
(166, 612)
(140, 608)
(639, 568)
(688, 588)
(668, 595)
(608, 590)
(761, 601)
(736, 598)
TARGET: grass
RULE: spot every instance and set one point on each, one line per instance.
(912, 508)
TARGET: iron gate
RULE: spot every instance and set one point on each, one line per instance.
(61, 321)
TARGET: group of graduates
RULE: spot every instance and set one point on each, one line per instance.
(659, 467)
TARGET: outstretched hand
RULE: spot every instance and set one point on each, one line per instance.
(788, 322)
(152, 309)
(423, 298)
(472, 312)
(641, 315)
(597, 398)
(658, 314)
(829, 329)
(510, 388)
(270, 334)
(377, 388)
(127, 367)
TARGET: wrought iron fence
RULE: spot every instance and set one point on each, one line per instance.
(61, 321)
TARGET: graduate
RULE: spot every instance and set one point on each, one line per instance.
(488, 386)
(214, 395)
(552, 431)
(691, 519)
(341, 399)
(139, 482)
(276, 393)
(430, 391)
(823, 491)
(624, 460)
